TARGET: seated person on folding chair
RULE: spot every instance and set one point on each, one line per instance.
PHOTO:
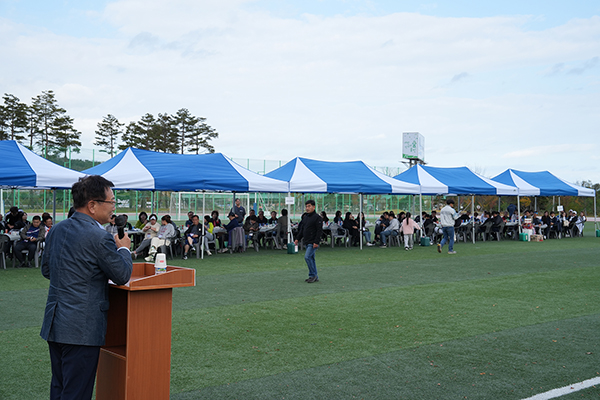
(572, 222)
(165, 233)
(233, 223)
(497, 222)
(273, 219)
(13, 217)
(262, 220)
(151, 230)
(579, 224)
(547, 221)
(208, 233)
(191, 235)
(252, 228)
(380, 226)
(281, 228)
(536, 222)
(391, 230)
(31, 234)
(351, 226)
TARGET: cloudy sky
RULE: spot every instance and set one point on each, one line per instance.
(511, 84)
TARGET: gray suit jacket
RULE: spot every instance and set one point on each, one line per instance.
(79, 258)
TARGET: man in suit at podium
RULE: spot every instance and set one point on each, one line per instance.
(79, 259)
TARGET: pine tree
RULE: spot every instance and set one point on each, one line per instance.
(185, 124)
(140, 134)
(200, 137)
(108, 133)
(165, 134)
(13, 118)
(45, 110)
(64, 135)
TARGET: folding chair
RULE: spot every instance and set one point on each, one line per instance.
(337, 235)
(4, 239)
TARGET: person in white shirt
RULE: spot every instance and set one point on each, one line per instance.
(447, 217)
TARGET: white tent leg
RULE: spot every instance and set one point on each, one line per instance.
(2, 201)
(473, 216)
(595, 215)
(53, 204)
(289, 223)
(178, 205)
(360, 224)
(202, 241)
(519, 212)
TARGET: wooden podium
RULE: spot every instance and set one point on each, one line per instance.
(135, 362)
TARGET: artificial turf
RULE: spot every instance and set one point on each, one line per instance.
(498, 320)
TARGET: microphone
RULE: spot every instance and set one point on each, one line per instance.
(120, 223)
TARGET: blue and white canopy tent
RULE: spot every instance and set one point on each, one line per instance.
(543, 183)
(312, 176)
(137, 169)
(350, 177)
(455, 181)
(23, 169)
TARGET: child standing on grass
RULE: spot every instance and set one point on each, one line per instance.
(408, 227)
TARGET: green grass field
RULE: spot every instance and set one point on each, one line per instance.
(498, 320)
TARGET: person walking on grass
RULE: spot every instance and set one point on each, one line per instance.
(447, 217)
(310, 231)
(408, 227)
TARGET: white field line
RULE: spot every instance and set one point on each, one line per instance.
(565, 390)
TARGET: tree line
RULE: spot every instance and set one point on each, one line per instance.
(46, 126)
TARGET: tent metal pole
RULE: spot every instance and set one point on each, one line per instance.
(535, 203)
(2, 201)
(519, 213)
(289, 223)
(203, 239)
(53, 205)
(360, 224)
(179, 205)
(421, 216)
(152, 202)
(473, 216)
(595, 214)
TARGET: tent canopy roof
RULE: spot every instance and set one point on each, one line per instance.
(455, 180)
(148, 170)
(22, 168)
(542, 183)
(312, 176)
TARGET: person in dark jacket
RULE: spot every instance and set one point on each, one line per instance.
(79, 258)
(310, 231)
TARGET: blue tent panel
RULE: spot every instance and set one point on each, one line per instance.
(347, 177)
(15, 171)
(547, 183)
(148, 170)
